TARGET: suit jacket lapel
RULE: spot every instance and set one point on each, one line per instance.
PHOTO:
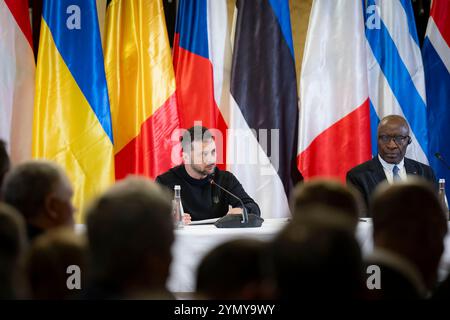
(377, 170)
(410, 167)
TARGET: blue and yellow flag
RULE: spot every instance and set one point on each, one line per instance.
(72, 119)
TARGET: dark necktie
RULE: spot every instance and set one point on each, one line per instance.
(395, 172)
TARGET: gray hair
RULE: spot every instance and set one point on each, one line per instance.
(27, 185)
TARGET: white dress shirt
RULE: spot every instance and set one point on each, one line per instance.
(388, 170)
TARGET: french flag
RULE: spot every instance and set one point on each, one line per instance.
(436, 60)
(334, 130)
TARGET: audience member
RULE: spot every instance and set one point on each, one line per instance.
(409, 227)
(442, 292)
(235, 270)
(12, 246)
(56, 265)
(343, 199)
(130, 233)
(42, 193)
(317, 258)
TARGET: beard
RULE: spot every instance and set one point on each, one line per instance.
(204, 171)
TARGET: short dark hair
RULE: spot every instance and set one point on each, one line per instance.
(13, 241)
(195, 133)
(219, 276)
(133, 218)
(327, 193)
(317, 260)
(407, 208)
(47, 260)
(5, 162)
(27, 185)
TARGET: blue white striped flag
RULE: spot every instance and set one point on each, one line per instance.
(395, 71)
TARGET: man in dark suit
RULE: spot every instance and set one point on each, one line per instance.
(390, 164)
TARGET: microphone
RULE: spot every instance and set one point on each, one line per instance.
(233, 220)
(441, 158)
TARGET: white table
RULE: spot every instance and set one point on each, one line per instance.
(193, 242)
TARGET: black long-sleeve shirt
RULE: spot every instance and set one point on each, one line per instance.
(205, 201)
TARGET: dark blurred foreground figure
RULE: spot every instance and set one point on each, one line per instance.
(317, 258)
(330, 193)
(12, 246)
(56, 265)
(409, 227)
(442, 292)
(42, 193)
(237, 269)
(5, 164)
(130, 234)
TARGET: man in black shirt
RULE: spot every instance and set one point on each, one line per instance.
(202, 200)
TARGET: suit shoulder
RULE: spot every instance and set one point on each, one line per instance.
(420, 168)
(417, 163)
(363, 167)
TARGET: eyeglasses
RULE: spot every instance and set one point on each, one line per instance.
(398, 139)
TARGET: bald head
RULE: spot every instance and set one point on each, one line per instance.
(393, 119)
(393, 138)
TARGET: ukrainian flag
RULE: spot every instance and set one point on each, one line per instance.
(72, 119)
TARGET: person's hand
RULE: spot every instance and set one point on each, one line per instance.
(187, 218)
(235, 211)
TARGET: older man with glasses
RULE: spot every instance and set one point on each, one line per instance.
(390, 164)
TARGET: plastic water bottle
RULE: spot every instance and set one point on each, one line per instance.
(178, 212)
(443, 197)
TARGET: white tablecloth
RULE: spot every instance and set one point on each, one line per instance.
(192, 243)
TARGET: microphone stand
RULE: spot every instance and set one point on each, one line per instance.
(440, 158)
(244, 209)
(233, 220)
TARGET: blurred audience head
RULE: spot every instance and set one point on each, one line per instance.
(42, 193)
(236, 270)
(130, 233)
(343, 199)
(318, 258)
(409, 221)
(4, 163)
(12, 246)
(56, 265)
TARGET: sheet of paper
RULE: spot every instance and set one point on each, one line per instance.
(206, 221)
